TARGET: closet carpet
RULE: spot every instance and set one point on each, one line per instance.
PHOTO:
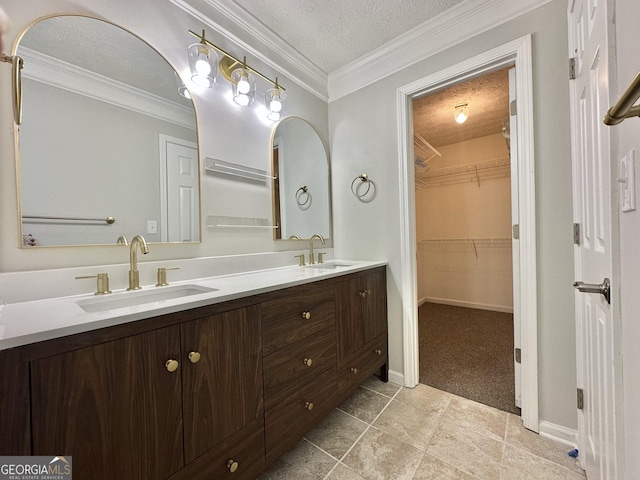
(469, 353)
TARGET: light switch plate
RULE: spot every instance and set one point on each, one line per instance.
(152, 227)
(627, 182)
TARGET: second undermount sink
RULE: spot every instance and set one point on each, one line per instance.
(140, 297)
(329, 266)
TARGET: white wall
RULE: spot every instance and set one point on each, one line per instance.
(627, 18)
(226, 131)
(364, 139)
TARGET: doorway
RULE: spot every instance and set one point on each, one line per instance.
(463, 231)
(517, 52)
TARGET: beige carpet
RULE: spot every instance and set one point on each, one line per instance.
(468, 352)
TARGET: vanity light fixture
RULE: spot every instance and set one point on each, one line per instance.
(243, 84)
(182, 88)
(461, 112)
(242, 78)
(203, 62)
(275, 99)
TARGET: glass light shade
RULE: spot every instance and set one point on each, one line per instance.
(461, 113)
(182, 88)
(275, 100)
(243, 84)
(203, 62)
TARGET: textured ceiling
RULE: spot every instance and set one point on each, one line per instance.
(334, 33)
(488, 100)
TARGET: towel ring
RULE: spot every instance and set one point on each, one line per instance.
(303, 193)
(363, 178)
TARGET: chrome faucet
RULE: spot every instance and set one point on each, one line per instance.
(134, 275)
(319, 237)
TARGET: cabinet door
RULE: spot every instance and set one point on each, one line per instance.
(362, 311)
(222, 390)
(115, 407)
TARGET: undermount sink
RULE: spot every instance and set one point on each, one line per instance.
(329, 266)
(131, 299)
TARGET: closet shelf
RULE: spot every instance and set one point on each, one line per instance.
(476, 171)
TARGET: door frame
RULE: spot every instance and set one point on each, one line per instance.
(516, 52)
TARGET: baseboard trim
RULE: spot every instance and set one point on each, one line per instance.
(564, 435)
(398, 378)
(462, 303)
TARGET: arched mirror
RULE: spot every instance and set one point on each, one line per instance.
(108, 147)
(301, 190)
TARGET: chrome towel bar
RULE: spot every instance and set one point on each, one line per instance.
(624, 106)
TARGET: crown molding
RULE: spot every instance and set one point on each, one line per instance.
(63, 75)
(254, 38)
(452, 27)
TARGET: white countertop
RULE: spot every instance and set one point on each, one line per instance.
(35, 321)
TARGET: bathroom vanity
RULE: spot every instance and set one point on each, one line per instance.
(218, 389)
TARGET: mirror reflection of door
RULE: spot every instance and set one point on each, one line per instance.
(277, 217)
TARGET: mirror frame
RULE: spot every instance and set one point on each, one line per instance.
(17, 153)
(275, 174)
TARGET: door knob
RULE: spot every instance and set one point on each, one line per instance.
(603, 288)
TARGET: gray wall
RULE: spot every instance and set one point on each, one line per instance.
(363, 135)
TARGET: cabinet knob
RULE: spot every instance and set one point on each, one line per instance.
(365, 293)
(306, 315)
(172, 365)
(378, 351)
(308, 405)
(308, 362)
(194, 357)
(232, 465)
(354, 370)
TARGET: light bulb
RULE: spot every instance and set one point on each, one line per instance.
(461, 113)
(243, 86)
(275, 105)
(242, 99)
(203, 67)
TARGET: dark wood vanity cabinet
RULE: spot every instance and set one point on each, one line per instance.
(212, 392)
(114, 407)
(362, 329)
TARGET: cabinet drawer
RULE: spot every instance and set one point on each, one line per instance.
(353, 371)
(239, 457)
(284, 320)
(288, 421)
(288, 369)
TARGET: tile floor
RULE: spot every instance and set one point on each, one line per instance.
(386, 432)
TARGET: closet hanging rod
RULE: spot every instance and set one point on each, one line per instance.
(624, 106)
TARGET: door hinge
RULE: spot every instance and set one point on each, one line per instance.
(572, 68)
(576, 234)
(580, 399)
(518, 355)
(515, 229)
(513, 108)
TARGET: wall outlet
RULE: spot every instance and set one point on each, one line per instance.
(627, 180)
(152, 227)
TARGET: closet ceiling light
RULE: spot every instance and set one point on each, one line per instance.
(461, 112)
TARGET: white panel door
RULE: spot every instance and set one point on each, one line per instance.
(591, 152)
(183, 217)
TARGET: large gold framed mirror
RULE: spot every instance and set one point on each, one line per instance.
(107, 145)
(301, 185)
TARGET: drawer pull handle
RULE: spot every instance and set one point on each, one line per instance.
(354, 370)
(172, 365)
(194, 357)
(306, 315)
(308, 362)
(378, 351)
(308, 405)
(232, 465)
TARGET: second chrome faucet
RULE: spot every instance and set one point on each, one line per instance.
(134, 274)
